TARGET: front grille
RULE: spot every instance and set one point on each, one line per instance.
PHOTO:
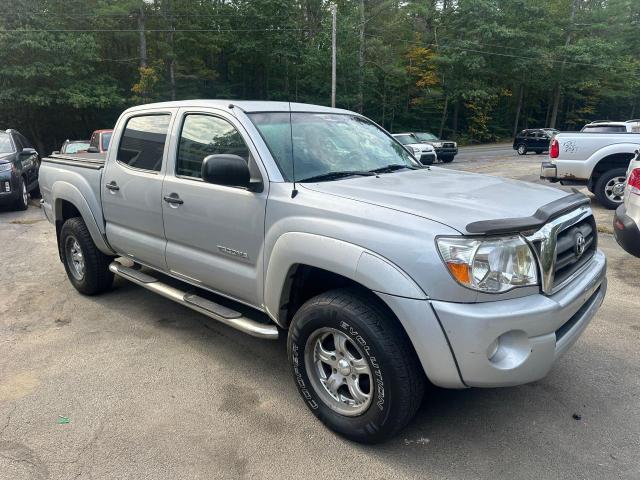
(448, 145)
(568, 260)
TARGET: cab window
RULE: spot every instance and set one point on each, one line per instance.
(204, 135)
(142, 143)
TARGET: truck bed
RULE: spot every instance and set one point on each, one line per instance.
(83, 160)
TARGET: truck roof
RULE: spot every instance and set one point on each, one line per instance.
(250, 106)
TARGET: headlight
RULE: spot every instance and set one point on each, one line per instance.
(437, 144)
(5, 166)
(416, 151)
(489, 265)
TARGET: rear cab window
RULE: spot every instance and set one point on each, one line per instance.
(142, 142)
(605, 129)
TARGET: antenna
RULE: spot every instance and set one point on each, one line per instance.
(294, 192)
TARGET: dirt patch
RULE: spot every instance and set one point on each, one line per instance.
(18, 386)
(27, 222)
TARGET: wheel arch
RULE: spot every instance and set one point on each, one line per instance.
(325, 263)
(69, 203)
(609, 162)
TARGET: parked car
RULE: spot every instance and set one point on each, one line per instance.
(446, 150)
(533, 140)
(99, 142)
(19, 166)
(73, 146)
(383, 272)
(422, 151)
(626, 223)
(607, 126)
(598, 160)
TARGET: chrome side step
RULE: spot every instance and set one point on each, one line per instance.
(199, 304)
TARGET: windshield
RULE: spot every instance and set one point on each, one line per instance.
(5, 143)
(605, 129)
(326, 143)
(426, 137)
(76, 147)
(106, 137)
(406, 139)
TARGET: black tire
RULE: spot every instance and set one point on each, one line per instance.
(22, 202)
(522, 149)
(35, 193)
(96, 278)
(603, 192)
(397, 380)
(447, 159)
(538, 152)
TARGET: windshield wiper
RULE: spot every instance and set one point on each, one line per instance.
(337, 175)
(392, 168)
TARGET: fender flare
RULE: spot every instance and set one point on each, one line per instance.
(351, 261)
(614, 149)
(65, 191)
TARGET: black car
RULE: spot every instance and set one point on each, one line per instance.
(19, 165)
(533, 139)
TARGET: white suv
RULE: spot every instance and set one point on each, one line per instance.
(626, 223)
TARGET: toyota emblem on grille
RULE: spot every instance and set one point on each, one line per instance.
(580, 244)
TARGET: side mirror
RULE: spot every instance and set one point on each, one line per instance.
(55, 152)
(28, 151)
(93, 149)
(223, 169)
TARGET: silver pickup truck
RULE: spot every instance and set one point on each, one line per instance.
(597, 157)
(314, 223)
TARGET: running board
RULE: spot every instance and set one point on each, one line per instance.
(199, 304)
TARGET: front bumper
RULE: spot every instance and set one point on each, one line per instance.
(516, 341)
(626, 231)
(446, 152)
(7, 179)
(428, 158)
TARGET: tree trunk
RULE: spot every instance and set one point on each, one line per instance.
(520, 98)
(456, 112)
(142, 38)
(444, 115)
(556, 92)
(361, 60)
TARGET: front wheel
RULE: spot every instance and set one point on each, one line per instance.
(522, 149)
(609, 188)
(22, 202)
(354, 365)
(86, 266)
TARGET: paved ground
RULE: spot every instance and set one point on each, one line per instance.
(155, 391)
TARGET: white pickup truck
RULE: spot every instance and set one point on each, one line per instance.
(597, 157)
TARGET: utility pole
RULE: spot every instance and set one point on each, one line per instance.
(334, 9)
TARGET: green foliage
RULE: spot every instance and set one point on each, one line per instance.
(425, 65)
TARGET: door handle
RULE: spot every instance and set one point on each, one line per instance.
(173, 199)
(113, 186)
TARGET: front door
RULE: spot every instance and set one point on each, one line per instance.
(214, 233)
(132, 189)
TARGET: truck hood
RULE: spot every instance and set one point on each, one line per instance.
(450, 197)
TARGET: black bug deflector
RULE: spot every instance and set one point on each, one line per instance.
(543, 215)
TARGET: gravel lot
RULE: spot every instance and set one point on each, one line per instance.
(153, 390)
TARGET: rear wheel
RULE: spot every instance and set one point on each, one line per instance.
(609, 188)
(522, 149)
(447, 159)
(22, 202)
(538, 152)
(354, 366)
(86, 266)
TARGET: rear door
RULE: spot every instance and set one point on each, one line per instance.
(215, 233)
(132, 187)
